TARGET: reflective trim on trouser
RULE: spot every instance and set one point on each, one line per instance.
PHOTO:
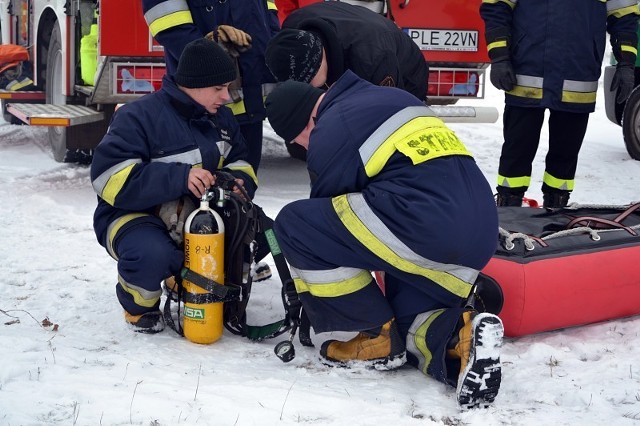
(522, 128)
(313, 238)
(427, 342)
(566, 133)
(146, 255)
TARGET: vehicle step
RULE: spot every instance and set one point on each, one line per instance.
(30, 95)
(54, 115)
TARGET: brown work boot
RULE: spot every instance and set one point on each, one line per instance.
(381, 348)
(477, 345)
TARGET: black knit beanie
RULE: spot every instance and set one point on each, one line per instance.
(289, 107)
(294, 55)
(204, 64)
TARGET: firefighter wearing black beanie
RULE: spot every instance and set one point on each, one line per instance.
(289, 107)
(204, 64)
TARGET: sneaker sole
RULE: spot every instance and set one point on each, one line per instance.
(479, 383)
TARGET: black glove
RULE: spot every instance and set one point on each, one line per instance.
(623, 81)
(502, 75)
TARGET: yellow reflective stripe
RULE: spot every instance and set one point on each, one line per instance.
(115, 226)
(578, 97)
(115, 183)
(554, 182)
(619, 13)
(361, 232)
(496, 45)
(334, 289)
(237, 108)
(627, 48)
(514, 182)
(421, 139)
(419, 340)
(170, 21)
(619, 8)
(386, 129)
(526, 92)
(242, 166)
(271, 5)
(141, 297)
(17, 85)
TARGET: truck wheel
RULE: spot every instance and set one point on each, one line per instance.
(296, 151)
(631, 124)
(53, 90)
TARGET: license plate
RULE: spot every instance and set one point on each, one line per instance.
(458, 40)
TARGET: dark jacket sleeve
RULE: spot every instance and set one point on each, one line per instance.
(122, 173)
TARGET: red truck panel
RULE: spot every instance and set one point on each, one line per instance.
(463, 16)
(123, 30)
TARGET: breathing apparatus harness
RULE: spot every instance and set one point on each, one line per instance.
(248, 235)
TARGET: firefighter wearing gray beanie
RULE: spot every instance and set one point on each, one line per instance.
(289, 107)
(204, 64)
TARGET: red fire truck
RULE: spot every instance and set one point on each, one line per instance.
(89, 56)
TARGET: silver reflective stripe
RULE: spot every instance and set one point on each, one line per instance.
(268, 88)
(619, 4)
(325, 276)
(190, 157)
(101, 181)
(529, 81)
(411, 341)
(236, 165)
(165, 8)
(146, 294)
(580, 86)
(387, 128)
(224, 148)
(384, 234)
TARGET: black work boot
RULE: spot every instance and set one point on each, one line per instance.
(148, 323)
(555, 199)
(509, 199)
(381, 348)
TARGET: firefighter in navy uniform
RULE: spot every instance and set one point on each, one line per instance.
(319, 42)
(393, 190)
(548, 55)
(161, 148)
(244, 28)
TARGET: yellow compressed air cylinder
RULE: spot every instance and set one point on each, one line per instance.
(204, 255)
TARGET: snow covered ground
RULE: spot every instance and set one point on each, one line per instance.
(87, 368)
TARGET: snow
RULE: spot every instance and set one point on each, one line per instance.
(87, 368)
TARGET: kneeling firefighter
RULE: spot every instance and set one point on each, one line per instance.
(163, 147)
(394, 190)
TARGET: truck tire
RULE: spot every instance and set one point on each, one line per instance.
(631, 124)
(53, 91)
